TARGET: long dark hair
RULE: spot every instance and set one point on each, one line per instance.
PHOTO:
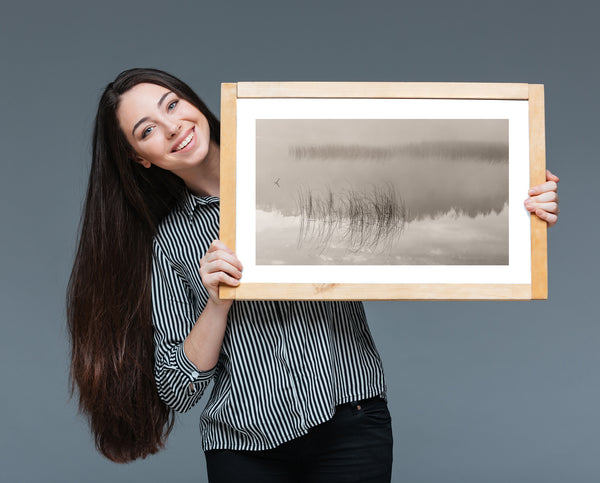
(109, 305)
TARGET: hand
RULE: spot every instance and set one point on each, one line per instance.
(219, 264)
(543, 199)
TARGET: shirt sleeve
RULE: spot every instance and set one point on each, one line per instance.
(180, 384)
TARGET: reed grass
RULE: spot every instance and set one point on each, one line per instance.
(371, 219)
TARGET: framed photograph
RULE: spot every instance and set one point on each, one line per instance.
(383, 191)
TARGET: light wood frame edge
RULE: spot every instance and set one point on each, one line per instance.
(228, 169)
(396, 90)
(332, 291)
(534, 93)
(537, 172)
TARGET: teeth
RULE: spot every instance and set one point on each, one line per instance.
(185, 142)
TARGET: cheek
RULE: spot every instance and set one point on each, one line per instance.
(205, 130)
(153, 149)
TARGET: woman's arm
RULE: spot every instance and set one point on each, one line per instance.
(203, 345)
(187, 347)
(543, 199)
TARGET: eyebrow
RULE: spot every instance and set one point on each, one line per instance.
(144, 119)
(160, 101)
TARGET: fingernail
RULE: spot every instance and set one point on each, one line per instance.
(531, 192)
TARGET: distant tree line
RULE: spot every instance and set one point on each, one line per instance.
(452, 150)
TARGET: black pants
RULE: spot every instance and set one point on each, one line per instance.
(354, 446)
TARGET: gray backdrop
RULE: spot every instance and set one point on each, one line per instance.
(479, 391)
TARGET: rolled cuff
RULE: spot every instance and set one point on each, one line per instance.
(189, 369)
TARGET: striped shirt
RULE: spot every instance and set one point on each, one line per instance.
(283, 365)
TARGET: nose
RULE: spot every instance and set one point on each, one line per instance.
(173, 128)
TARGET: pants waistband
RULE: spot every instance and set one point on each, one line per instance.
(362, 403)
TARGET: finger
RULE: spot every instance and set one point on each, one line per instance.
(551, 177)
(219, 245)
(226, 279)
(212, 280)
(220, 265)
(548, 207)
(229, 257)
(541, 188)
(544, 197)
(549, 218)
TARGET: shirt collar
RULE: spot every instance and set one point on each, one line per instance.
(191, 201)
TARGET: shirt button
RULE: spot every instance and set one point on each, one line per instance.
(195, 374)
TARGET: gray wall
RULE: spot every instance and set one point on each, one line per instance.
(479, 391)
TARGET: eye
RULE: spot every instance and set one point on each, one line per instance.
(172, 105)
(146, 131)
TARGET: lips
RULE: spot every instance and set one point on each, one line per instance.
(183, 141)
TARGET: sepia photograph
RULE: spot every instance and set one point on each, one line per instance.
(382, 191)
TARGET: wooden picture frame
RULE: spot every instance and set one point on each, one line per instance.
(530, 279)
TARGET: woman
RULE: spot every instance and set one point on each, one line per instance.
(299, 391)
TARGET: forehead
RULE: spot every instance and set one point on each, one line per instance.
(139, 101)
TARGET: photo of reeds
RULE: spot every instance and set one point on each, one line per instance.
(382, 191)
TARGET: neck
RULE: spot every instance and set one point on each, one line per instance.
(204, 180)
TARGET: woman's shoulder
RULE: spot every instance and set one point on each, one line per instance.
(192, 223)
(172, 223)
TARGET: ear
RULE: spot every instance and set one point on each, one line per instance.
(144, 162)
(138, 159)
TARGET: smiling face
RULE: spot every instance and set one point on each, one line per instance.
(163, 129)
